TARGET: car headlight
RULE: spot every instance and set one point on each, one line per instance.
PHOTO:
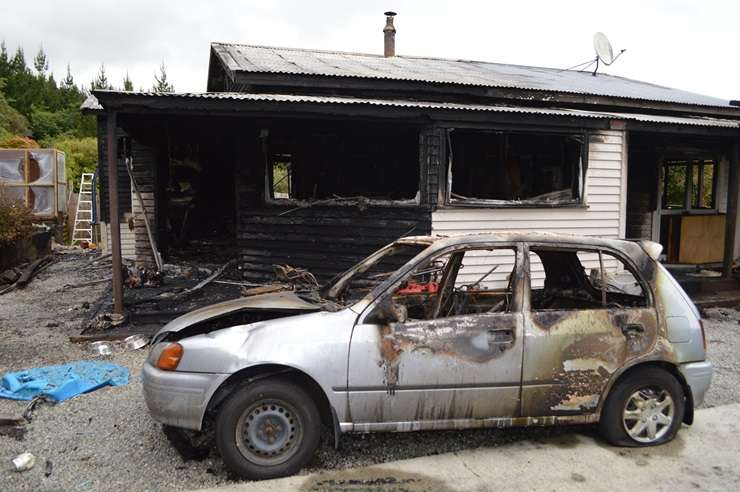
(166, 356)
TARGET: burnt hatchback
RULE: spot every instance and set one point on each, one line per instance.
(493, 330)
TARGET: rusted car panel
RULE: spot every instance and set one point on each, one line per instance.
(572, 355)
(522, 367)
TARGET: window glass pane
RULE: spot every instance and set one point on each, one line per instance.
(62, 198)
(14, 192)
(11, 165)
(61, 169)
(41, 167)
(675, 186)
(42, 200)
(702, 184)
(708, 191)
(695, 185)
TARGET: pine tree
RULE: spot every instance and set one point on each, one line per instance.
(161, 84)
(18, 62)
(68, 81)
(127, 84)
(101, 81)
(40, 62)
(4, 61)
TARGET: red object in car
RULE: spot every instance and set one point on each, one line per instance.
(417, 288)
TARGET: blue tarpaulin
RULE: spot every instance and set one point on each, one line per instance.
(62, 381)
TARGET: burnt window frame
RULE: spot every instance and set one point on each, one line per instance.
(273, 156)
(579, 202)
(584, 248)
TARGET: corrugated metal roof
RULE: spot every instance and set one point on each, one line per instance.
(265, 59)
(92, 103)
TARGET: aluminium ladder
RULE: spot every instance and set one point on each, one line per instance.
(84, 215)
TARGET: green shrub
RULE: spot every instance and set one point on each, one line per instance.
(16, 219)
(81, 156)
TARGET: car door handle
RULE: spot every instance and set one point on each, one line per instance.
(500, 336)
(633, 330)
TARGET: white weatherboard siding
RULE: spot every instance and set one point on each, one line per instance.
(128, 240)
(603, 216)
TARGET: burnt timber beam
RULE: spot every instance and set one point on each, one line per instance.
(115, 225)
(732, 204)
(180, 106)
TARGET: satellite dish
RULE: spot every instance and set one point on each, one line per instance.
(603, 48)
(604, 54)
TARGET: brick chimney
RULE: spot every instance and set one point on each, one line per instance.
(389, 35)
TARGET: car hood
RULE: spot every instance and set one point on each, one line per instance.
(278, 301)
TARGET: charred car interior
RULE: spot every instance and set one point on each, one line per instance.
(583, 280)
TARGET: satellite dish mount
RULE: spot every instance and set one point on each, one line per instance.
(604, 52)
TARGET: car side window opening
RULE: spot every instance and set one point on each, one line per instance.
(568, 279)
(462, 282)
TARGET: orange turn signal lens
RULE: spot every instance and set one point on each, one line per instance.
(170, 357)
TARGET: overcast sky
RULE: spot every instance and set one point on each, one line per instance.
(679, 43)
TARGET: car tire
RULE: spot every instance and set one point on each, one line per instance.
(645, 408)
(268, 429)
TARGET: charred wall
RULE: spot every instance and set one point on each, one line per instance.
(379, 164)
(324, 239)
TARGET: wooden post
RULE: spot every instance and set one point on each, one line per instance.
(115, 225)
(733, 189)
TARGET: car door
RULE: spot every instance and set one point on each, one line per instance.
(445, 369)
(577, 334)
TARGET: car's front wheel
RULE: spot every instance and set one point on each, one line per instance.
(643, 409)
(268, 429)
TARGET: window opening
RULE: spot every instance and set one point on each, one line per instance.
(689, 184)
(572, 279)
(517, 168)
(282, 176)
(463, 282)
(341, 164)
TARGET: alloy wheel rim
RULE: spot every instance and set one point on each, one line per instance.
(268, 432)
(648, 414)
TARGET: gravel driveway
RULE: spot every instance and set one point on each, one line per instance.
(106, 440)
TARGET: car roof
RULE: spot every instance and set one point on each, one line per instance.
(441, 242)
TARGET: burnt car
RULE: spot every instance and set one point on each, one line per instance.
(490, 330)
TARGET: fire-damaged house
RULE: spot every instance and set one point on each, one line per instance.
(317, 158)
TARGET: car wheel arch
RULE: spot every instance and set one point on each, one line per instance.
(263, 371)
(662, 364)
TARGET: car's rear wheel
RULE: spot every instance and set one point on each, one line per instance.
(645, 408)
(268, 429)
